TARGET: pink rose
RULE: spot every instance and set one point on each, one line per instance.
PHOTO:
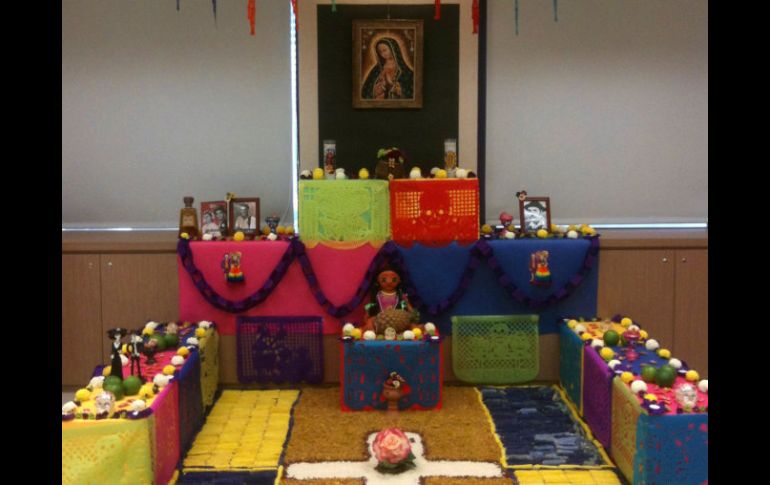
(391, 445)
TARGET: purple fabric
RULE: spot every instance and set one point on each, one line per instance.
(597, 395)
(279, 349)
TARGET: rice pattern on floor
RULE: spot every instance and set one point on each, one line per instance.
(243, 438)
(324, 438)
(556, 477)
(537, 427)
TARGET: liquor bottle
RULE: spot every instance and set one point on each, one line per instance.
(188, 219)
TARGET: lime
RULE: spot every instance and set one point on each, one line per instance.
(648, 373)
(131, 385)
(665, 376)
(611, 338)
(115, 388)
(172, 340)
(112, 379)
(160, 341)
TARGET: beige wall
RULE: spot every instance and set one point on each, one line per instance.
(605, 111)
(159, 103)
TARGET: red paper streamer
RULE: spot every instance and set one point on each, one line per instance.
(475, 16)
(294, 9)
(252, 14)
(438, 10)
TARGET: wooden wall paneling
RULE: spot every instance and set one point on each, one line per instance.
(82, 340)
(639, 283)
(137, 288)
(691, 331)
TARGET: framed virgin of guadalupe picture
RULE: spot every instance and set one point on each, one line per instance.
(387, 63)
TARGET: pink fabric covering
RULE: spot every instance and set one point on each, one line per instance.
(166, 451)
(668, 395)
(339, 272)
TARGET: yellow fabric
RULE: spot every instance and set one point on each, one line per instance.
(209, 355)
(625, 416)
(566, 477)
(110, 451)
(597, 329)
(246, 430)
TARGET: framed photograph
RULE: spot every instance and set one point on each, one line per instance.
(214, 218)
(244, 215)
(535, 213)
(387, 63)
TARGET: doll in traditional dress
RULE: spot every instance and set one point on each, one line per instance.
(389, 306)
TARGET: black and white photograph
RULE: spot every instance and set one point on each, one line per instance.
(244, 215)
(535, 214)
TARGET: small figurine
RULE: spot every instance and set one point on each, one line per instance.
(272, 222)
(116, 334)
(339, 174)
(231, 265)
(390, 165)
(540, 274)
(389, 305)
(393, 389)
(134, 348)
(415, 173)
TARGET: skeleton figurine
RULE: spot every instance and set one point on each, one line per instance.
(134, 349)
(117, 364)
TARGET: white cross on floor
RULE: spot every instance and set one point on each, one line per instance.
(365, 469)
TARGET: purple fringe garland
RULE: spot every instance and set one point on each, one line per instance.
(390, 254)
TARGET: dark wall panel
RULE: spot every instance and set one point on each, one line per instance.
(359, 133)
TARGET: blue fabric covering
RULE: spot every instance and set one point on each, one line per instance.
(570, 364)
(537, 428)
(436, 272)
(645, 357)
(190, 401)
(671, 449)
(367, 364)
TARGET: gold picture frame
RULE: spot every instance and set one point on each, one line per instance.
(387, 63)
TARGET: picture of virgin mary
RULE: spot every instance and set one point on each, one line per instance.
(391, 77)
(387, 63)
